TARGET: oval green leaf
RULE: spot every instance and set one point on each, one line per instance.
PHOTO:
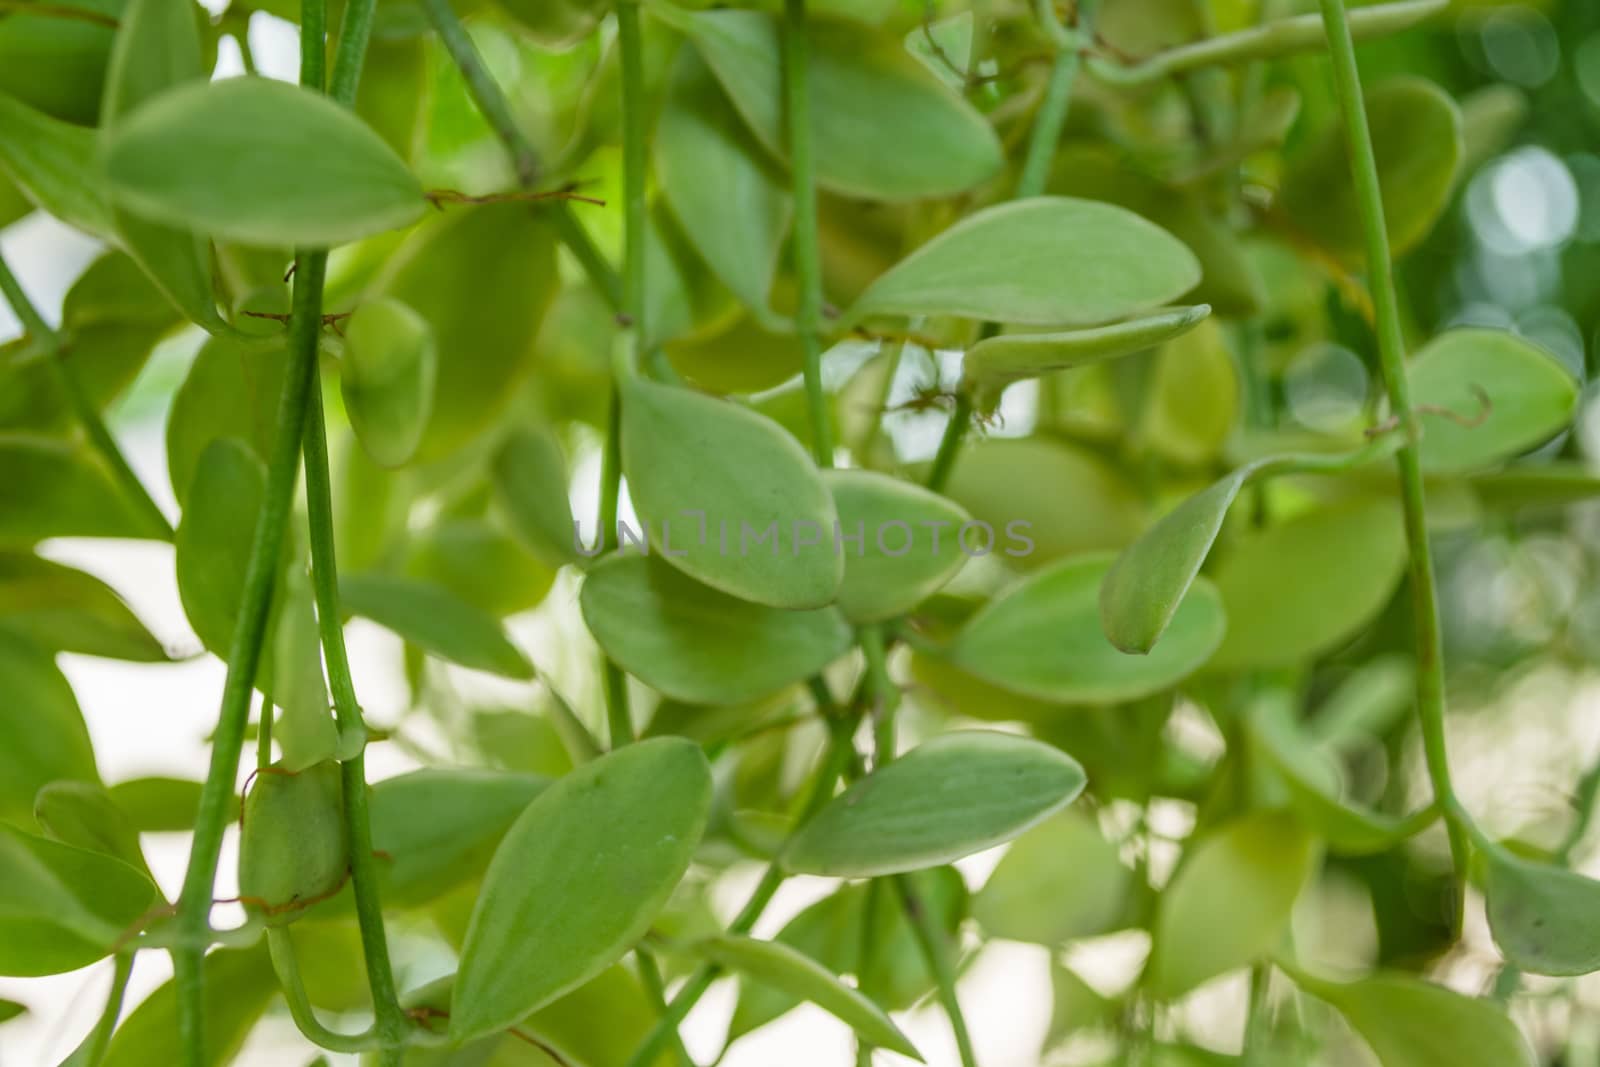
(905, 543)
(918, 139)
(266, 163)
(1042, 638)
(387, 377)
(775, 964)
(1486, 395)
(1410, 1022)
(530, 485)
(1229, 904)
(55, 489)
(62, 907)
(1306, 586)
(995, 362)
(436, 620)
(1060, 881)
(1047, 261)
(949, 797)
(212, 548)
(66, 610)
(1416, 136)
(697, 645)
(1541, 916)
(42, 735)
(734, 500)
(624, 828)
(53, 163)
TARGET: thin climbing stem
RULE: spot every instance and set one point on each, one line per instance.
(193, 922)
(280, 947)
(496, 109)
(93, 1048)
(1391, 353)
(806, 247)
(936, 953)
(1043, 140)
(390, 1018)
(836, 760)
(1051, 117)
(83, 408)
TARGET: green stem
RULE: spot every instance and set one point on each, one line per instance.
(496, 110)
(392, 1024)
(656, 988)
(635, 167)
(1391, 352)
(836, 760)
(280, 946)
(93, 1048)
(806, 247)
(931, 940)
(1052, 115)
(955, 431)
(882, 694)
(83, 408)
(193, 920)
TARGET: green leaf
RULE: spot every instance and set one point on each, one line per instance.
(387, 379)
(1042, 638)
(1229, 903)
(728, 199)
(436, 620)
(482, 278)
(775, 964)
(1416, 135)
(480, 564)
(734, 500)
(158, 805)
(831, 931)
(1048, 261)
(83, 814)
(530, 485)
(42, 735)
(1313, 782)
(909, 543)
(157, 49)
(742, 357)
(1090, 507)
(10, 1009)
(266, 163)
(949, 797)
(1548, 486)
(53, 162)
(697, 645)
(55, 489)
(66, 610)
(1306, 586)
(215, 534)
(996, 362)
(917, 140)
(1409, 1022)
(232, 390)
(238, 985)
(1192, 398)
(1541, 916)
(57, 64)
(1486, 395)
(1058, 882)
(436, 828)
(62, 907)
(624, 827)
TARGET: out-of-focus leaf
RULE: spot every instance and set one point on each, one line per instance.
(1060, 881)
(66, 610)
(1539, 914)
(53, 163)
(62, 907)
(918, 139)
(435, 619)
(42, 735)
(56, 489)
(1416, 135)
(1230, 901)
(387, 379)
(238, 985)
(530, 483)
(83, 814)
